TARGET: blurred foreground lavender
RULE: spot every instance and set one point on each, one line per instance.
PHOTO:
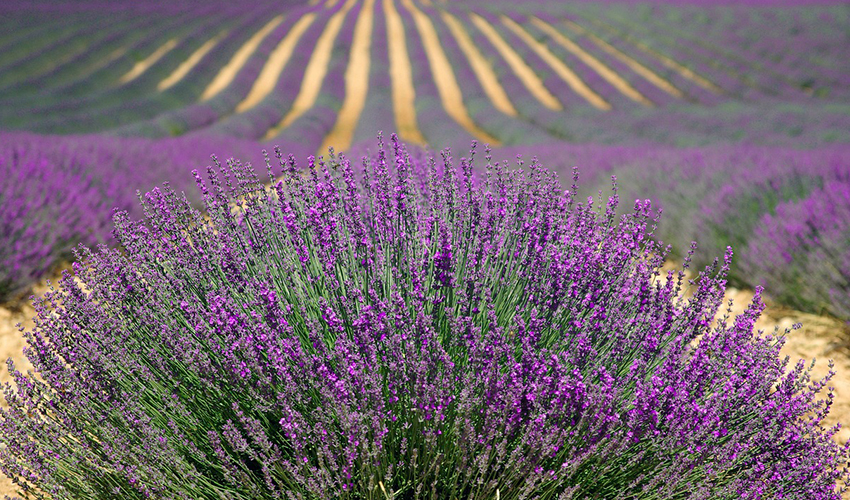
(403, 331)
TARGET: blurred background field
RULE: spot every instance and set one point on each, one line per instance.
(732, 117)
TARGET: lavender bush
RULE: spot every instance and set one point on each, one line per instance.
(56, 191)
(802, 251)
(44, 210)
(770, 203)
(408, 331)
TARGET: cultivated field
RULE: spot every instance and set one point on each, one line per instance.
(732, 118)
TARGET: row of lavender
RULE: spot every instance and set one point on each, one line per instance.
(758, 95)
(60, 191)
(785, 212)
(737, 45)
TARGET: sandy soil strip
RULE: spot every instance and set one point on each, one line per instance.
(315, 72)
(189, 63)
(226, 75)
(401, 75)
(670, 63)
(55, 62)
(557, 65)
(115, 54)
(635, 66)
(522, 70)
(483, 71)
(277, 60)
(356, 82)
(444, 77)
(604, 71)
(331, 4)
(143, 65)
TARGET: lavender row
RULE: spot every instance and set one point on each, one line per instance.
(801, 250)
(713, 41)
(60, 191)
(255, 123)
(104, 81)
(768, 204)
(42, 61)
(119, 102)
(48, 85)
(98, 78)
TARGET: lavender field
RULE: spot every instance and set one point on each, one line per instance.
(509, 278)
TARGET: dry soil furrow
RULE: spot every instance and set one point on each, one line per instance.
(480, 66)
(635, 66)
(141, 66)
(314, 74)
(401, 78)
(444, 76)
(523, 71)
(270, 74)
(604, 71)
(186, 66)
(226, 75)
(356, 82)
(558, 66)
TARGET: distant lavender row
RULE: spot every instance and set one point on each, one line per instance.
(786, 211)
(770, 96)
(802, 251)
(716, 196)
(60, 191)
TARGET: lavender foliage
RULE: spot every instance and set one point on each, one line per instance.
(402, 331)
(784, 209)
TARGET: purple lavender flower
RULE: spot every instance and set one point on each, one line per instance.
(802, 251)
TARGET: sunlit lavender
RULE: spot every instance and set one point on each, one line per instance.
(401, 329)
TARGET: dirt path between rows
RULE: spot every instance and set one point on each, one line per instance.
(820, 337)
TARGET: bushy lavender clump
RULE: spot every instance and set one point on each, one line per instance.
(730, 196)
(802, 251)
(45, 209)
(410, 332)
(56, 189)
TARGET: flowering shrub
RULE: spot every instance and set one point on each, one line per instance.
(44, 210)
(405, 331)
(802, 251)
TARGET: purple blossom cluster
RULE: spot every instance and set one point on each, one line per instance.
(57, 192)
(44, 210)
(403, 329)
